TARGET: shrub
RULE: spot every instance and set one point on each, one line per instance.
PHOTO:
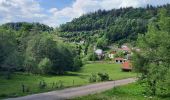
(99, 77)
(45, 66)
(77, 63)
(92, 57)
(103, 76)
(42, 84)
(93, 78)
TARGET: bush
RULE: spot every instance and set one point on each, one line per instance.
(103, 76)
(42, 84)
(93, 78)
(92, 57)
(99, 77)
(45, 66)
(77, 63)
(164, 85)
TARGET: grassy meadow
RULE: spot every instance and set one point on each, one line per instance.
(13, 87)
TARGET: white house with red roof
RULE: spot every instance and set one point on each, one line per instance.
(125, 49)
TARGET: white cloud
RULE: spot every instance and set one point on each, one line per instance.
(20, 10)
(53, 10)
(30, 10)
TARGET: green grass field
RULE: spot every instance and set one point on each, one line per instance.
(13, 87)
(128, 92)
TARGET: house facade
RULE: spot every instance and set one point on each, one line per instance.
(120, 60)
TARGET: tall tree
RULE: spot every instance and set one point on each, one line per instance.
(153, 60)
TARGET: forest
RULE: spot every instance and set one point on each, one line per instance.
(33, 48)
(117, 25)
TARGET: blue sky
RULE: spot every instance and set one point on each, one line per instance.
(57, 12)
(60, 4)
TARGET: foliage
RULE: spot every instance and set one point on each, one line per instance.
(93, 78)
(42, 84)
(102, 43)
(103, 76)
(10, 58)
(119, 54)
(98, 77)
(116, 25)
(92, 57)
(24, 26)
(153, 60)
(25, 47)
(43, 46)
(77, 63)
(45, 66)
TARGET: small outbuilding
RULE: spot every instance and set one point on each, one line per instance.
(99, 53)
(126, 66)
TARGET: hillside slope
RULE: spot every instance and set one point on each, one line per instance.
(121, 25)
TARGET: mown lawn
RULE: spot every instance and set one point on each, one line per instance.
(128, 92)
(13, 87)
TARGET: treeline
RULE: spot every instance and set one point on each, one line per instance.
(119, 25)
(27, 26)
(35, 51)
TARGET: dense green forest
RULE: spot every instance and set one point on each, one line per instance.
(107, 27)
(33, 48)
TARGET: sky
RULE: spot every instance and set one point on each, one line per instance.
(57, 12)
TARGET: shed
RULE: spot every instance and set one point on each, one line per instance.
(126, 66)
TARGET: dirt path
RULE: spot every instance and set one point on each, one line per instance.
(76, 91)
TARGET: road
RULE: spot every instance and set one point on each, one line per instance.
(76, 91)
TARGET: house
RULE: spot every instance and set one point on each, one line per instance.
(120, 60)
(127, 52)
(99, 53)
(112, 54)
(125, 49)
(126, 66)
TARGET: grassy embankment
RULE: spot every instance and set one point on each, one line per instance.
(13, 87)
(132, 91)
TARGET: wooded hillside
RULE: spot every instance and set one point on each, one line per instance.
(121, 25)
